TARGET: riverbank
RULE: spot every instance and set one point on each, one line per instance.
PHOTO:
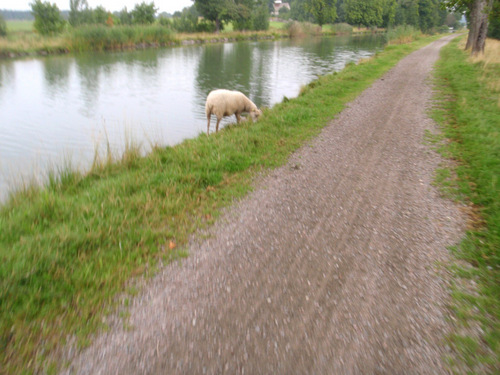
(24, 42)
(68, 250)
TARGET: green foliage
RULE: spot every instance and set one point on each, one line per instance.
(144, 14)
(430, 14)
(213, 10)
(79, 13)
(323, 11)
(125, 17)
(494, 25)
(3, 26)
(48, 20)
(100, 15)
(468, 114)
(284, 13)
(407, 12)
(261, 17)
(364, 12)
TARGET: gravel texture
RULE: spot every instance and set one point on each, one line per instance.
(330, 266)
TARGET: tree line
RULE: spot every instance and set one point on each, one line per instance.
(483, 16)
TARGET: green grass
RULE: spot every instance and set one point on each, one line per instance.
(469, 113)
(69, 249)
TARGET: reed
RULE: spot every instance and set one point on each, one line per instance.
(342, 29)
(402, 34)
(300, 29)
(101, 38)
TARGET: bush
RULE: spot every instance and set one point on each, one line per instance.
(205, 26)
(299, 29)
(342, 28)
(48, 18)
(261, 18)
(402, 34)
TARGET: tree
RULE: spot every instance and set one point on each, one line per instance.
(144, 13)
(407, 13)
(240, 12)
(79, 13)
(478, 25)
(125, 17)
(494, 25)
(389, 13)
(299, 11)
(261, 17)
(477, 13)
(48, 18)
(364, 12)
(100, 15)
(213, 10)
(323, 11)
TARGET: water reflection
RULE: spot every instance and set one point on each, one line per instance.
(64, 107)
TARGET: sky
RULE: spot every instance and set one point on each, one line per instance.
(169, 6)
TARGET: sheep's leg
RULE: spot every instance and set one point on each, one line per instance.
(208, 125)
(238, 117)
(217, 126)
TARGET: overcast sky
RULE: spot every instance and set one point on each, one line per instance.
(169, 6)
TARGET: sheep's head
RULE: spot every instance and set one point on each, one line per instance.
(255, 114)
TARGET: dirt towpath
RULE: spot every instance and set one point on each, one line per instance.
(329, 267)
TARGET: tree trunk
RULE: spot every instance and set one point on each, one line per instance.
(217, 25)
(478, 25)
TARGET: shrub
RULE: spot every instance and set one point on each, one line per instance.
(299, 29)
(48, 18)
(342, 28)
(261, 18)
(402, 34)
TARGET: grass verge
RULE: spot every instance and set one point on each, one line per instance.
(469, 113)
(69, 249)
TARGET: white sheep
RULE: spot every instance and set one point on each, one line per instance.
(227, 103)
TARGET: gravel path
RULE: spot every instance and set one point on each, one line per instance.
(329, 267)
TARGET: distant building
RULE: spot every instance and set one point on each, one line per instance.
(278, 4)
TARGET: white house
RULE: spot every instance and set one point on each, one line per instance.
(278, 4)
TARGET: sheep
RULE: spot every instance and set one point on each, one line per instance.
(226, 103)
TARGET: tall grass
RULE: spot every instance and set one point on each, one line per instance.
(297, 29)
(342, 28)
(30, 42)
(469, 111)
(68, 250)
(402, 34)
(100, 37)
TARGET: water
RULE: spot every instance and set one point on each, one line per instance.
(59, 110)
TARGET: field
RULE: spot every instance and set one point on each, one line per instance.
(19, 26)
